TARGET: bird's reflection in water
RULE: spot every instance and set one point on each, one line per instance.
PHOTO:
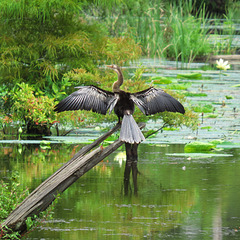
(131, 166)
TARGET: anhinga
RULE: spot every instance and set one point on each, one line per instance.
(149, 101)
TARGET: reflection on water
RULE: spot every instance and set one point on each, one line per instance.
(165, 202)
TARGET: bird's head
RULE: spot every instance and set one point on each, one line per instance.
(114, 67)
(119, 82)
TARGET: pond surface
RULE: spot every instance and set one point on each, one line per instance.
(175, 195)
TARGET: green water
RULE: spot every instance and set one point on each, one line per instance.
(200, 202)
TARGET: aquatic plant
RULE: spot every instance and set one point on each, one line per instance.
(163, 30)
(188, 33)
(199, 147)
(222, 66)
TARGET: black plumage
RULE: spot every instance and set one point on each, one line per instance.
(149, 101)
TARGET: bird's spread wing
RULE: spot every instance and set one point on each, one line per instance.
(87, 98)
(152, 100)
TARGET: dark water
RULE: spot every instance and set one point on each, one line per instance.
(175, 198)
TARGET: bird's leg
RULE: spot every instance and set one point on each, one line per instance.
(128, 148)
(128, 167)
(131, 152)
(119, 120)
(134, 148)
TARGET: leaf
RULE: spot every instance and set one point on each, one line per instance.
(189, 75)
(179, 86)
(55, 88)
(199, 155)
(198, 147)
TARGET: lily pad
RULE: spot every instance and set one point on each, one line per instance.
(198, 147)
(198, 155)
(45, 144)
(207, 108)
(162, 80)
(190, 75)
(195, 94)
(179, 86)
(212, 115)
(207, 127)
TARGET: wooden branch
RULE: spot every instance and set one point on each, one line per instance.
(64, 177)
(163, 126)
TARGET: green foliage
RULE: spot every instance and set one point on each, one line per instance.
(41, 10)
(188, 37)
(177, 30)
(7, 233)
(163, 31)
(53, 39)
(31, 106)
(121, 49)
(11, 194)
(40, 41)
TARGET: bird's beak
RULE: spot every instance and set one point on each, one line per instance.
(109, 66)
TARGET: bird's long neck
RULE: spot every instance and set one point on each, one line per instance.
(119, 82)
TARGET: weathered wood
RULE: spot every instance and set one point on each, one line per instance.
(64, 177)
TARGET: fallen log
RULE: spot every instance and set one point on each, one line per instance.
(63, 178)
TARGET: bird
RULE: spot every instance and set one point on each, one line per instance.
(150, 101)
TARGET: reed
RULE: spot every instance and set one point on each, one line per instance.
(165, 33)
(178, 31)
(189, 37)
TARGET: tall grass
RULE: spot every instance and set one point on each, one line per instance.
(189, 38)
(171, 32)
(174, 31)
(224, 33)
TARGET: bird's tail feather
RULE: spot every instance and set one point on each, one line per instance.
(130, 132)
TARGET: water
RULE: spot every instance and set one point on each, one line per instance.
(177, 196)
